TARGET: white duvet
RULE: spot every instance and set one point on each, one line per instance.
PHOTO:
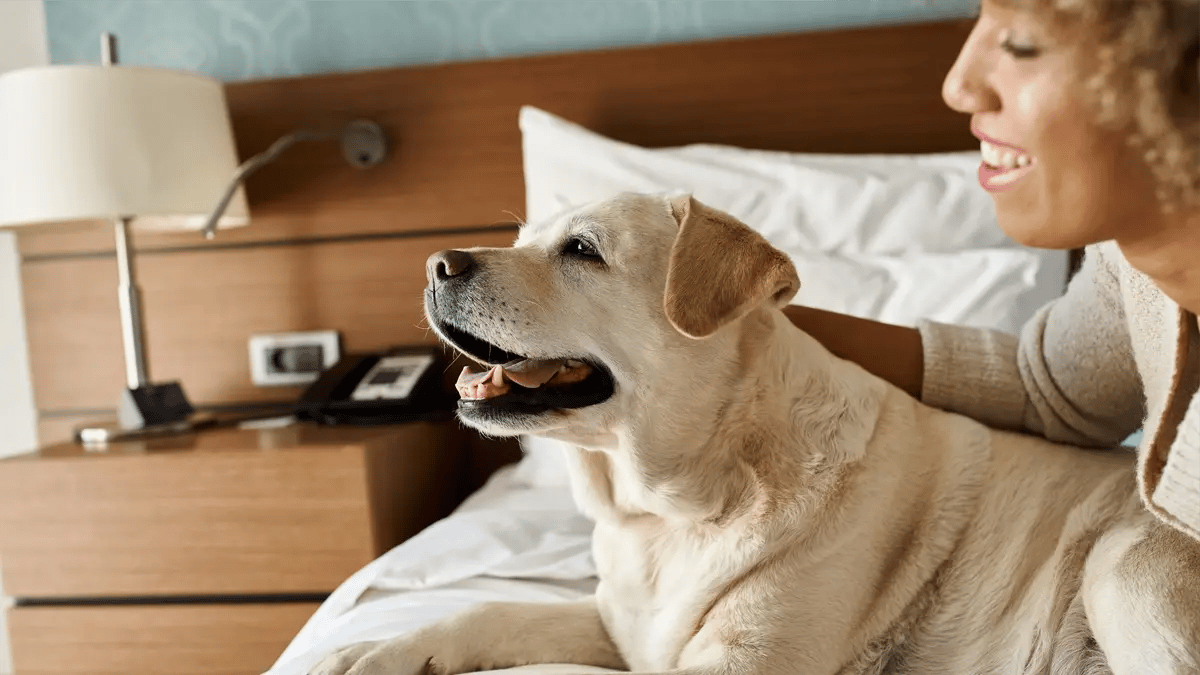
(511, 540)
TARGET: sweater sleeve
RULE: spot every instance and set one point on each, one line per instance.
(1176, 493)
(1070, 376)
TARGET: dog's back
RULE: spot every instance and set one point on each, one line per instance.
(1015, 555)
(1008, 597)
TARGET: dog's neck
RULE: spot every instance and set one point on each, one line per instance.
(749, 439)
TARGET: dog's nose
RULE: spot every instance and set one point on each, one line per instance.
(445, 265)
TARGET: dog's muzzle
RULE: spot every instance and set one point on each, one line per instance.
(511, 381)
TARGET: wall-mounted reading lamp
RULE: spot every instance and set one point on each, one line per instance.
(143, 147)
(363, 146)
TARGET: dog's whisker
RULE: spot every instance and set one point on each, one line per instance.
(519, 220)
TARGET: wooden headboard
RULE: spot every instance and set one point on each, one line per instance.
(331, 247)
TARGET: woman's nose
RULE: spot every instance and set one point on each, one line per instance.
(966, 87)
(965, 95)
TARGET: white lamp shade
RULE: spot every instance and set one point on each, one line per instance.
(91, 142)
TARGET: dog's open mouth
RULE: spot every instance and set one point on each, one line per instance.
(526, 385)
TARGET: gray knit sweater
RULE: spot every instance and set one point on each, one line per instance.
(1111, 355)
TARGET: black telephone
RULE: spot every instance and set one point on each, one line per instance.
(403, 384)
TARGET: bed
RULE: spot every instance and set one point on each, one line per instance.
(853, 168)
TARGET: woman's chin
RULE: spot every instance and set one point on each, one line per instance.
(1044, 232)
(1062, 216)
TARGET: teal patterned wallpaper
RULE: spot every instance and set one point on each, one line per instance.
(241, 39)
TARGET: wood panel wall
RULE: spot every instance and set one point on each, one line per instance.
(331, 247)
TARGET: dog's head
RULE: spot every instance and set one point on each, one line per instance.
(623, 310)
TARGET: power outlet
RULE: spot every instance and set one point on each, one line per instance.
(281, 359)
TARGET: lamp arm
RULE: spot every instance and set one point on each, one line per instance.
(254, 164)
(363, 145)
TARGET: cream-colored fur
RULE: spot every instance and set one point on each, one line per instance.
(762, 506)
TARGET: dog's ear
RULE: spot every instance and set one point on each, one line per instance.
(720, 269)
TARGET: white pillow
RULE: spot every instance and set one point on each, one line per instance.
(876, 204)
(990, 288)
(895, 238)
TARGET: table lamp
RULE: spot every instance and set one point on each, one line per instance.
(143, 147)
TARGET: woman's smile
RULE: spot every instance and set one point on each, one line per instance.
(1003, 163)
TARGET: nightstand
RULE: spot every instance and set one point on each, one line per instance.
(204, 553)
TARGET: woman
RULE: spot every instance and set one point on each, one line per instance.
(1088, 115)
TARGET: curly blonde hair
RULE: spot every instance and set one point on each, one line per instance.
(1141, 65)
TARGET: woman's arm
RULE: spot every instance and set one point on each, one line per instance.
(1070, 377)
(887, 351)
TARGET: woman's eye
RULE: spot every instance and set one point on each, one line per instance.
(579, 248)
(1019, 50)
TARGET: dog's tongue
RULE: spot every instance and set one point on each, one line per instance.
(529, 373)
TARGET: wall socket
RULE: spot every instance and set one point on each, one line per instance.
(282, 359)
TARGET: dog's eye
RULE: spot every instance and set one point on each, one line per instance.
(580, 248)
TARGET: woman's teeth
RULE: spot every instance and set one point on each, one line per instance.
(1002, 159)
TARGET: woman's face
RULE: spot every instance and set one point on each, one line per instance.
(1058, 179)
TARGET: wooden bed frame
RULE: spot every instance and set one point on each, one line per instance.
(334, 248)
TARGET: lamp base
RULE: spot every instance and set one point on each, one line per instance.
(147, 410)
(153, 405)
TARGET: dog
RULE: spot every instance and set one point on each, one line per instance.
(762, 506)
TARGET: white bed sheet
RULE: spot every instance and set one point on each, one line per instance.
(510, 541)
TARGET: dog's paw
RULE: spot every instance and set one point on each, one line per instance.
(389, 657)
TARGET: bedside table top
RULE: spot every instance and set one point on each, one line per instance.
(301, 436)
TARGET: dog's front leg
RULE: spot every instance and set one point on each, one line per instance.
(489, 636)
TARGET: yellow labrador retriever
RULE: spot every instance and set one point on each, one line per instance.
(764, 507)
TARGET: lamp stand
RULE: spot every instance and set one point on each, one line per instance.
(145, 408)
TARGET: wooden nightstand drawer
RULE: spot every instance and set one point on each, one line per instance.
(235, 639)
(221, 513)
